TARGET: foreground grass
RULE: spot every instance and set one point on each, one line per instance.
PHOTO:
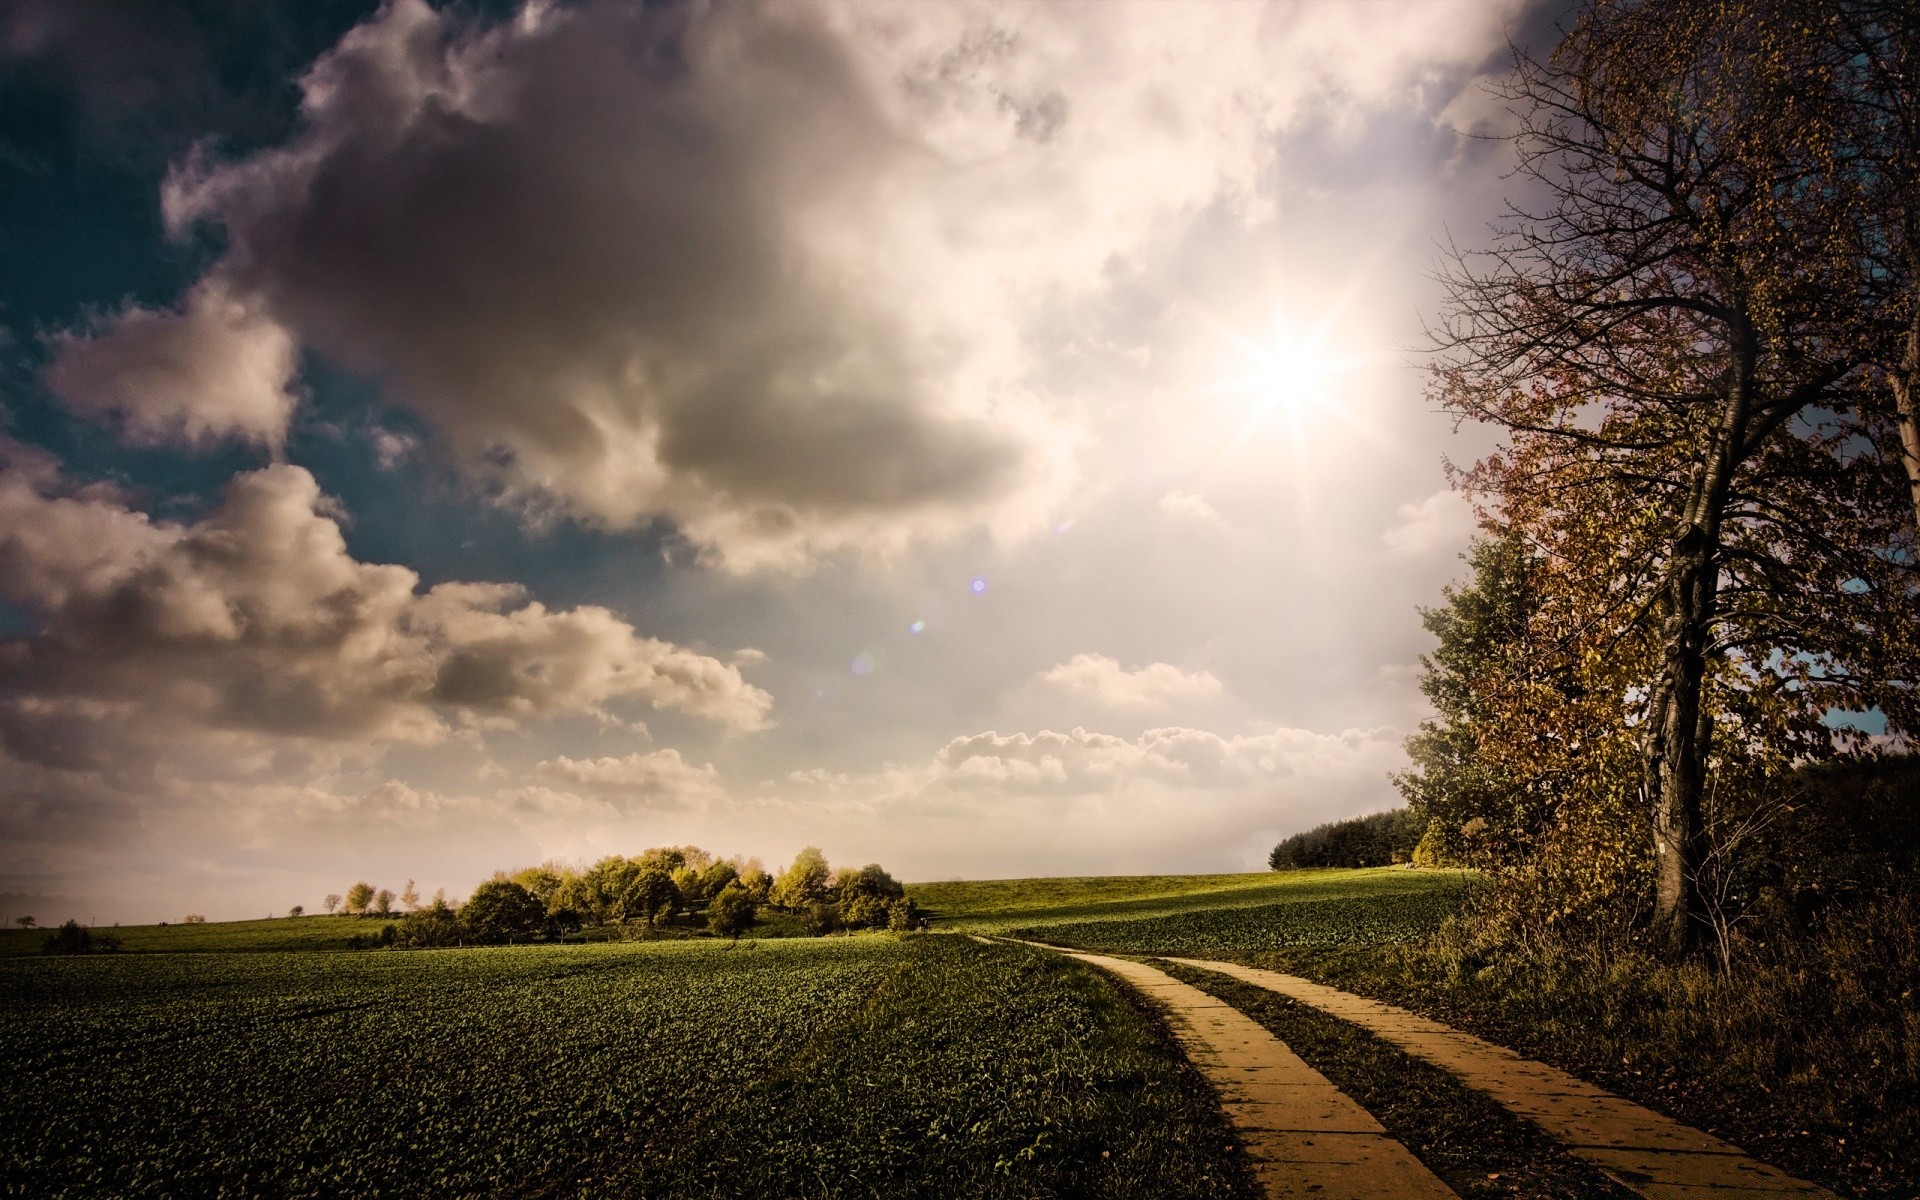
(1001, 905)
(1806, 1055)
(850, 1066)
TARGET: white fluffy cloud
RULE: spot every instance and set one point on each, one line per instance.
(217, 368)
(661, 776)
(1155, 685)
(255, 619)
(1191, 507)
(1441, 523)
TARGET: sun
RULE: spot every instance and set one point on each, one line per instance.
(1291, 374)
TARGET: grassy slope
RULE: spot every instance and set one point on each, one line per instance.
(846, 1066)
(996, 905)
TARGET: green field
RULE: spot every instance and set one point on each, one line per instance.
(1361, 920)
(1003, 905)
(875, 1065)
(278, 933)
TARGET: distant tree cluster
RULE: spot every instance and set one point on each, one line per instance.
(668, 887)
(1378, 840)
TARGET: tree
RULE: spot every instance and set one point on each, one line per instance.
(410, 897)
(804, 883)
(872, 881)
(716, 876)
(331, 903)
(651, 895)
(1668, 342)
(359, 898)
(731, 911)
(383, 901)
(605, 885)
(298, 910)
(24, 922)
(502, 911)
(543, 881)
(758, 883)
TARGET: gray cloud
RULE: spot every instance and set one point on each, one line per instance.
(255, 620)
(581, 245)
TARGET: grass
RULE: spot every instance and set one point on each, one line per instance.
(999, 905)
(267, 935)
(287, 934)
(875, 1065)
(1806, 1055)
(1365, 919)
(1477, 1147)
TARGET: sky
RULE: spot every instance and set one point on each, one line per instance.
(984, 438)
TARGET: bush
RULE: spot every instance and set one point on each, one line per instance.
(387, 936)
(823, 918)
(864, 912)
(732, 911)
(75, 938)
(435, 925)
(903, 914)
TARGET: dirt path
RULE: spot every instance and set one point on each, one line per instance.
(1653, 1155)
(1305, 1136)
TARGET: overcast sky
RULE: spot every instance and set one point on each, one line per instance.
(983, 438)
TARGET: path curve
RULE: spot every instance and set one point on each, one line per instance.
(1305, 1136)
(1653, 1155)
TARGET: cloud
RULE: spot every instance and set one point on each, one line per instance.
(766, 271)
(1190, 507)
(1153, 686)
(217, 368)
(255, 619)
(651, 780)
(1439, 524)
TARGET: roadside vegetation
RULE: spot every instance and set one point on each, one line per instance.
(873, 1065)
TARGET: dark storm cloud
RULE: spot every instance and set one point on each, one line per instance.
(601, 249)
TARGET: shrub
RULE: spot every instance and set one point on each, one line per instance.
(435, 925)
(75, 938)
(823, 918)
(732, 911)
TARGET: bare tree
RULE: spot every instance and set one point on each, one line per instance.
(1668, 330)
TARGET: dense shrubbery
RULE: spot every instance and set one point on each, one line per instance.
(665, 891)
(75, 938)
(1379, 840)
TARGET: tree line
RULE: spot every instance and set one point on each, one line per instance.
(1696, 581)
(654, 891)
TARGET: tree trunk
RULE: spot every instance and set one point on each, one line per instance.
(1676, 750)
(1678, 726)
(1906, 394)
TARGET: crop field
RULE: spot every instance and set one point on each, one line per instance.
(270, 934)
(1006, 905)
(849, 1066)
(1366, 919)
